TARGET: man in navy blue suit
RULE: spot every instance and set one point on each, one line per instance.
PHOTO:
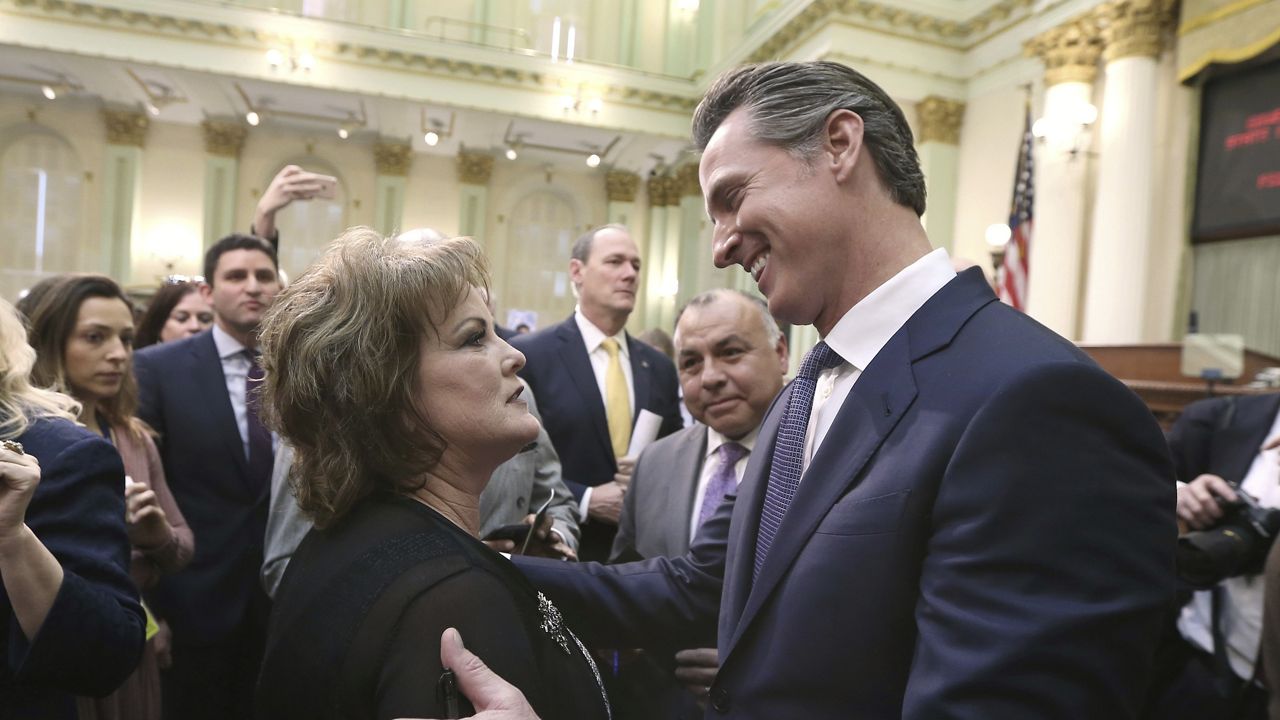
(951, 512)
(582, 367)
(218, 456)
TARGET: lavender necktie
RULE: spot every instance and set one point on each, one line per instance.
(788, 452)
(261, 456)
(723, 481)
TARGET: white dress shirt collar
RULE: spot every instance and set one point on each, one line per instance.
(867, 326)
(227, 345)
(592, 336)
(715, 440)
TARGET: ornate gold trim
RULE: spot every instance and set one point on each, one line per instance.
(1214, 16)
(1227, 56)
(621, 186)
(394, 159)
(940, 120)
(1134, 28)
(224, 138)
(687, 184)
(663, 191)
(474, 168)
(1070, 51)
(126, 127)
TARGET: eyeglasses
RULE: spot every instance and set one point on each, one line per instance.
(181, 279)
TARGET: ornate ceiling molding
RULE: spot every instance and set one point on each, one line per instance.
(246, 37)
(896, 21)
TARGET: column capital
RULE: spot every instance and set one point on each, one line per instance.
(686, 182)
(126, 127)
(474, 168)
(1135, 28)
(1070, 51)
(663, 191)
(394, 159)
(224, 138)
(621, 186)
(940, 120)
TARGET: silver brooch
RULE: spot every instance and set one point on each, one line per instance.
(553, 622)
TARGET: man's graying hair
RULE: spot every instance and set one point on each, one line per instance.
(582, 246)
(789, 104)
(702, 299)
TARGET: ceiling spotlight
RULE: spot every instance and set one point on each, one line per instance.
(49, 92)
(252, 118)
(595, 105)
(306, 61)
(275, 58)
(431, 138)
(568, 102)
(344, 133)
(512, 154)
(152, 109)
(593, 160)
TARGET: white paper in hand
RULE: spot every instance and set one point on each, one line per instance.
(645, 431)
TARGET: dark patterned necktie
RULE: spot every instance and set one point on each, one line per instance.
(788, 451)
(261, 457)
(723, 481)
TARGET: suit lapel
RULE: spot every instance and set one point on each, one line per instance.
(1249, 430)
(641, 369)
(879, 399)
(211, 383)
(573, 353)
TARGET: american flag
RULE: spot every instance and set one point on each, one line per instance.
(1013, 284)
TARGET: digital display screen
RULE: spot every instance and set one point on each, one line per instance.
(1238, 180)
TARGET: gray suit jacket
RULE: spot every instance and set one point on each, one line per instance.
(518, 487)
(659, 503)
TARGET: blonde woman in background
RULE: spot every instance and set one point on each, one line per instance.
(70, 622)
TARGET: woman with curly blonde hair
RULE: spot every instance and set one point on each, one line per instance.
(70, 622)
(386, 376)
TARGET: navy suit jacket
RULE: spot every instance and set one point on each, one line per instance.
(987, 531)
(1222, 435)
(183, 395)
(93, 636)
(558, 370)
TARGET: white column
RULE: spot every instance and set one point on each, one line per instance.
(1121, 236)
(939, 149)
(655, 280)
(392, 162)
(223, 141)
(1057, 246)
(121, 187)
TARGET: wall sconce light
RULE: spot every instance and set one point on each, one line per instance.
(159, 95)
(997, 237)
(434, 129)
(581, 103)
(52, 89)
(1068, 131)
(290, 59)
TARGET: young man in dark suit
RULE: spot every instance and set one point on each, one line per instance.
(951, 512)
(591, 380)
(217, 454)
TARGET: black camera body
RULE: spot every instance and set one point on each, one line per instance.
(1237, 545)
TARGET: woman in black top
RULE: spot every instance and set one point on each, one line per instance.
(384, 373)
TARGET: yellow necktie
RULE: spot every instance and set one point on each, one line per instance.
(617, 403)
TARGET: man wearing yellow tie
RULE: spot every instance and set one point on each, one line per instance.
(591, 380)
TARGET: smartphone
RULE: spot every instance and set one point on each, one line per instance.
(519, 532)
(328, 187)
